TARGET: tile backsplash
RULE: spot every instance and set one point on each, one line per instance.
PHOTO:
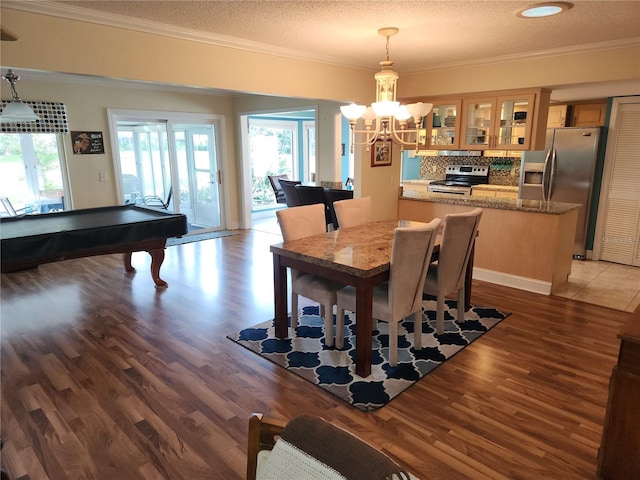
(502, 171)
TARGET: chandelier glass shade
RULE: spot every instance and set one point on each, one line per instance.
(16, 110)
(386, 119)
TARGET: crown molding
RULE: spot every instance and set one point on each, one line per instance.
(68, 12)
(540, 54)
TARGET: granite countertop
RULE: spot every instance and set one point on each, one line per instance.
(534, 206)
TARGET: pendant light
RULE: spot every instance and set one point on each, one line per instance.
(16, 111)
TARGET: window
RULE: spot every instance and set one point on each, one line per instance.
(31, 171)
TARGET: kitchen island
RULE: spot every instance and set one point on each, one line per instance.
(525, 244)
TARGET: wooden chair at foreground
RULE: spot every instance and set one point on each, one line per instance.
(448, 273)
(301, 222)
(310, 447)
(354, 212)
(401, 296)
(274, 180)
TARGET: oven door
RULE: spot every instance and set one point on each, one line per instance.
(454, 190)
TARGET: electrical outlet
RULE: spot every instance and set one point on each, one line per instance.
(102, 176)
(433, 168)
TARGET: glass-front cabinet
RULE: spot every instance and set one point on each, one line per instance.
(442, 126)
(508, 120)
(503, 122)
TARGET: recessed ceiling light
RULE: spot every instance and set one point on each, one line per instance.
(544, 9)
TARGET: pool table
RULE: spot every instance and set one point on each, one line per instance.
(30, 240)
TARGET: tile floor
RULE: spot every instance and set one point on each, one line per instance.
(601, 283)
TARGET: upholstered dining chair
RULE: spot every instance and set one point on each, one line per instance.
(290, 193)
(274, 180)
(448, 273)
(311, 447)
(332, 195)
(300, 222)
(354, 212)
(310, 195)
(401, 296)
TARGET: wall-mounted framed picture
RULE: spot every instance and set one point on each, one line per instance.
(87, 143)
(381, 153)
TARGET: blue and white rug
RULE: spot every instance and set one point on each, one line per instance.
(334, 370)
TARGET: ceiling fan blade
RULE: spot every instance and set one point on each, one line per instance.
(7, 36)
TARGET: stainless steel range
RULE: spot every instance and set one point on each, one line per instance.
(460, 178)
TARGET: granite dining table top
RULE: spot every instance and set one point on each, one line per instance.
(363, 251)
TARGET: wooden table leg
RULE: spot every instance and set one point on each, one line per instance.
(157, 257)
(364, 328)
(280, 298)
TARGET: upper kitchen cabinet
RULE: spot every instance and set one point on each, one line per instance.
(442, 126)
(588, 114)
(510, 121)
(557, 117)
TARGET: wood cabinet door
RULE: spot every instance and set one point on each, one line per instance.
(557, 116)
(588, 115)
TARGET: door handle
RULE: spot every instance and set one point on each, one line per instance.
(545, 172)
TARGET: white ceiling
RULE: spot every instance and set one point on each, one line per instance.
(433, 33)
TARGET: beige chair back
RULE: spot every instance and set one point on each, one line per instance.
(458, 236)
(410, 257)
(301, 222)
(353, 212)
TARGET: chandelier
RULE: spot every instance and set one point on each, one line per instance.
(16, 110)
(386, 119)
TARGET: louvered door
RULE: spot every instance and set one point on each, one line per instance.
(620, 240)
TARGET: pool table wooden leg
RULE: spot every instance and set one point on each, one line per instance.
(126, 259)
(157, 257)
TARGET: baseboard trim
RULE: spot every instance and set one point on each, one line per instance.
(514, 281)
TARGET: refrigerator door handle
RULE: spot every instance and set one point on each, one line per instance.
(553, 175)
(545, 172)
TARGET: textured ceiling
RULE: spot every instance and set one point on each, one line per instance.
(432, 33)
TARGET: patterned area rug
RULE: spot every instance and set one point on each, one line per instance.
(334, 370)
(197, 237)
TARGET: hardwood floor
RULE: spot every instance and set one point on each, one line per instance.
(105, 377)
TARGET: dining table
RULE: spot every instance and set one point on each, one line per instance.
(357, 256)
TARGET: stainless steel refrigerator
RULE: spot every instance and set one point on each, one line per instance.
(564, 172)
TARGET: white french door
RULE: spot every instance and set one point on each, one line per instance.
(198, 174)
(175, 153)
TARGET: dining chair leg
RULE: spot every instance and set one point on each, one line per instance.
(328, 324)
(461, 304)
(393, 344)
(440, 315)
(417, 330)
(340, 328)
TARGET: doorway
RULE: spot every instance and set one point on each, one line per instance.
(276, 143)
(174, 159)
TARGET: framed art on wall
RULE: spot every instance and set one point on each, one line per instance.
(381, 153)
